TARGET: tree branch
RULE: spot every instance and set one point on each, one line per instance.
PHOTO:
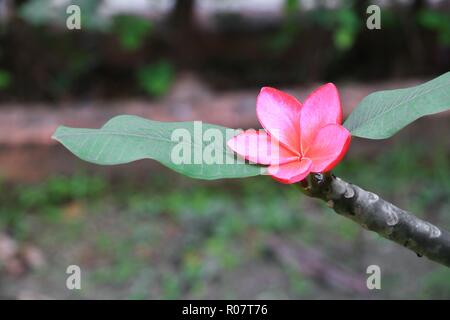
(375, 214)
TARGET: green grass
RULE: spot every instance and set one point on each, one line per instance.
(171, 241)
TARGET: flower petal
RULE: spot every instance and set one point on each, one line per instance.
(322, 107)
(259, 147)
(279, 114)
(291, 172)
(328, 148)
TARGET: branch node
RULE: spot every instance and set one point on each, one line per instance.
(375, 214)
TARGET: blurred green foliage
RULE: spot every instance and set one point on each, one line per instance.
(45, 198)
(88, 64)
(60, 189)
(289, 29)
(40, 12)
(436, 21)
(344, 23)
(5, 79)
(48, 12)
(169, 239)
(80, 62)
(436, 284)
(155, 79)
(131, 31)
(348, 27)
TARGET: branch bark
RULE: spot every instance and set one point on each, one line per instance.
(378, 215)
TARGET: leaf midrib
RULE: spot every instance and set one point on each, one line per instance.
(103, 132)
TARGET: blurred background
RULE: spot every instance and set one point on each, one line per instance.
(139, 231)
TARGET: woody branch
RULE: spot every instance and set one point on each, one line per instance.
(375, 214)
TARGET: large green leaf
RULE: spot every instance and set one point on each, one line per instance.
(128, 138)
(383, 113)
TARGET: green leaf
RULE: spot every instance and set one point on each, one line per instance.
(131, 30)
(128, 138)
(381, 114)
(5, 79)
(157, 78)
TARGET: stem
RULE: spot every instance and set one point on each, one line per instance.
(375, 214)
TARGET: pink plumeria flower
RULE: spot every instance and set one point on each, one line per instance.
(297, 138)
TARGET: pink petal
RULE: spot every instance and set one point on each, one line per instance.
(328, 148)
(259, 147)
(322, 107)
(279, 114)
(291, 172)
